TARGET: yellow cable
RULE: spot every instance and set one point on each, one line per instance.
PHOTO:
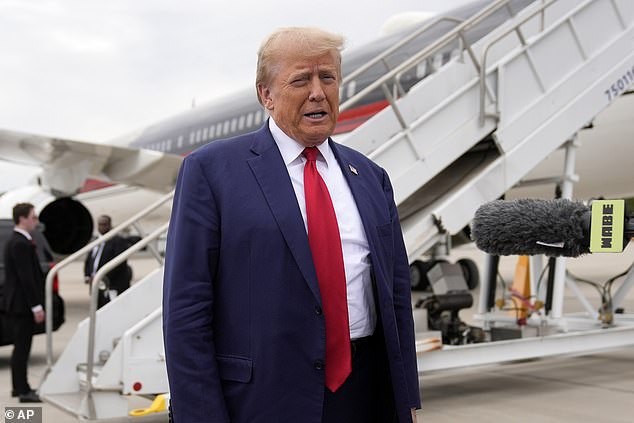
(159, 404)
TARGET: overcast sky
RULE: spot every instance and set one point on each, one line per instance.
(92, 70)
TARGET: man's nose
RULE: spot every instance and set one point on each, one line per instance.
(316, 90)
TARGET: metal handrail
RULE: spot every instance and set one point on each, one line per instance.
(483, 71)
(515, 28)
(454, 34)
(396, 46)
(94, 294)
(55, 269)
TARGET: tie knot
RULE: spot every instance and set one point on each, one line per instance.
(310, 153)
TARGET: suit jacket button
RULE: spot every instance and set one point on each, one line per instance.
(319, 365)
(318, 310)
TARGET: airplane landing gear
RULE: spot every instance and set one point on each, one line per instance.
(449, 285)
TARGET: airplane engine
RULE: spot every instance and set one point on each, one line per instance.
(68, 225)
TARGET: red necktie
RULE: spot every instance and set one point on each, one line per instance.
(325, 245)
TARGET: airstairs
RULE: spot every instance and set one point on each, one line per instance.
(470, 132)
(460, 137)
(118, 350)
(527, 88)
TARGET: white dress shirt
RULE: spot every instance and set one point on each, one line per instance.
(95, 255)
(354, 244)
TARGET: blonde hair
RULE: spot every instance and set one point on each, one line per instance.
(304, 41)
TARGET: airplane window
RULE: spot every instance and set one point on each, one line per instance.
(219, 130)
(199, 134)
(249, 119)
(225, 130)
(180, 141)
(211, 131)
(234, 124)
(351, 89)
(192, 136)
(436, 62)
(169, 145)
(421, 69)
(241, 123)
(205, 133)
(258, 117)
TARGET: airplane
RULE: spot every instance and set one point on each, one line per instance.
(150, 157)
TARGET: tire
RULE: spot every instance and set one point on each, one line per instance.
(418, 275)
(470, 271)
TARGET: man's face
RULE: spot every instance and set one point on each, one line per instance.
(302, 97)
(30, 222)
(103, 225)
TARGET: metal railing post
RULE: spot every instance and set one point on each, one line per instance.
(62, 264)
(516, 28)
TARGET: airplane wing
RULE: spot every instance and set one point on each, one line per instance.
(66, 163)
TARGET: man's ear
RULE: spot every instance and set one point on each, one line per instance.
(265, 96)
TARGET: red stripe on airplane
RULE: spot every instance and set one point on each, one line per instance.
(94, 184)
(351, 119)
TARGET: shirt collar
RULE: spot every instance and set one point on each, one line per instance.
(291, 150)
(23, 232)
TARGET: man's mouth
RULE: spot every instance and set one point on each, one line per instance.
(315, 115)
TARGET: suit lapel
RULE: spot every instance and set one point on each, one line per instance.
(364, 195)
(270, 171)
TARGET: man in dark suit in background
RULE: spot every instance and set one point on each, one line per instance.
(118, 279)
(287, 288)
(23, 296)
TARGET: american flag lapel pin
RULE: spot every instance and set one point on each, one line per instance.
(353, 169)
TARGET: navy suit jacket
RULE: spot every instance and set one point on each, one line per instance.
(24, 280)
(243, 332)
(119, 277)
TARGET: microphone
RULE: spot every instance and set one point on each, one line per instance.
(551, 227)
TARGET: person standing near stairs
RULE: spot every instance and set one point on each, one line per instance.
(23, 296)
(118, 279)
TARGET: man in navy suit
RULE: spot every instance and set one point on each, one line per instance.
(252, 271)
(118, 279)
(23, 296)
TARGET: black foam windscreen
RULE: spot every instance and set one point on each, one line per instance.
(533, 226)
